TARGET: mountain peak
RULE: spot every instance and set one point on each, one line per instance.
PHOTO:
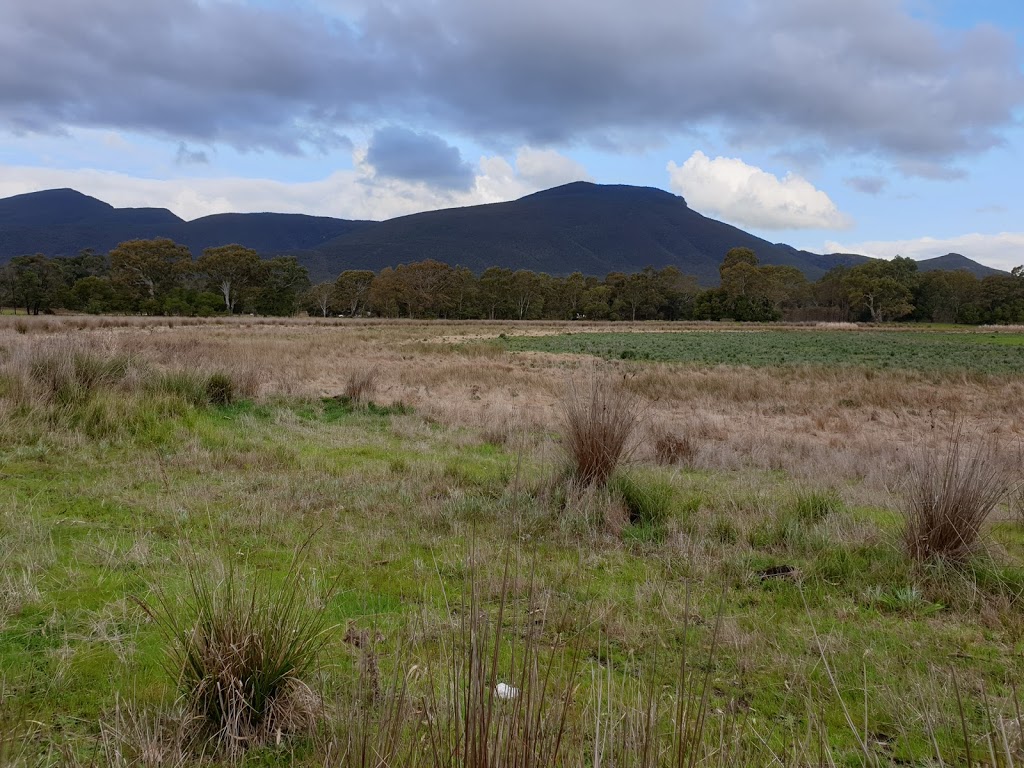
(957, 261)
(49, 207)
(618, 192)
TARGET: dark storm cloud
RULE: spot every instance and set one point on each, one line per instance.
(403, 154)
(860, 77)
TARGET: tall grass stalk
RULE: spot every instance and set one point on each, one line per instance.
(485, 711)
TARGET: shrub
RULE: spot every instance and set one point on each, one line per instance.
(597, 424)
(950, 497)
(243, 652)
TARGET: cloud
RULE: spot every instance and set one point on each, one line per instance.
(934, 171)
(545, 168)
(864, 77)
(359, 193)
(187, 156)
(1004, 250)
(744, 194)
(400, 153)
(869, 185)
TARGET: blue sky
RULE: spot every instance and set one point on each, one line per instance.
(880, 127)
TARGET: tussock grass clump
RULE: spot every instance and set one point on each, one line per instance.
(949, 498)
(813, 505)
(244, 651)
(105, 394)
(68, 374)
(649, 500)
(673, 448)
(220, 389)
(196, 387)
(361, 386)
(598, 422)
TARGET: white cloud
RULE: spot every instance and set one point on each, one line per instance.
(546, 168)
(1004, 250)
(746, 195)
(359, 193)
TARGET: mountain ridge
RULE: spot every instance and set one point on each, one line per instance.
(581, 226)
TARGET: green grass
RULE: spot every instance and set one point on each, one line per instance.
(396, 505)
(988, 353)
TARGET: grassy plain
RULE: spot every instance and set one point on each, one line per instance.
(793, 463)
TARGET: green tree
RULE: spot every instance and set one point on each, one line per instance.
(319, 299)
(35, 283)
(881, 288)
(384, 294)
(738, 271)
(94, 295)
(147, 270)
(629, 292)
(496, 292)
(426, 288)
(527, 293)
(352, 289)
(231, 269)
(677, 293)
(277, 286)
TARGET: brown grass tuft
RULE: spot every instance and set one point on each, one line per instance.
(598, 421)
(950, 497)
(673, 448)
(361, 386)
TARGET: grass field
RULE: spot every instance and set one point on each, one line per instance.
(974, 352)
(767, 555)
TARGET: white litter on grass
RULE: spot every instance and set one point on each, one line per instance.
(505, 691)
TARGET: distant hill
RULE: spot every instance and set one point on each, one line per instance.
(590, 228)
(63, 222)
(955, 261)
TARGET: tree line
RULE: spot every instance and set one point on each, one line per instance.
(160, 277)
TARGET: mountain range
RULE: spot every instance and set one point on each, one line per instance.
(591, 228)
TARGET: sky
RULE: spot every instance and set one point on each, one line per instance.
(877, 126)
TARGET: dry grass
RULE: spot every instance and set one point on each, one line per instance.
(826, 425)
(950, 497)
(361, 386)
(165, 739)
(599, 419)
(673, 447)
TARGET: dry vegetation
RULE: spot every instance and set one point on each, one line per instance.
(852, 577)
(823, 424)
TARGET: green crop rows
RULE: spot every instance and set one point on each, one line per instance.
(914, 350)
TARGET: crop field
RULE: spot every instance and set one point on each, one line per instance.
(304, 542)
(999, 353)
